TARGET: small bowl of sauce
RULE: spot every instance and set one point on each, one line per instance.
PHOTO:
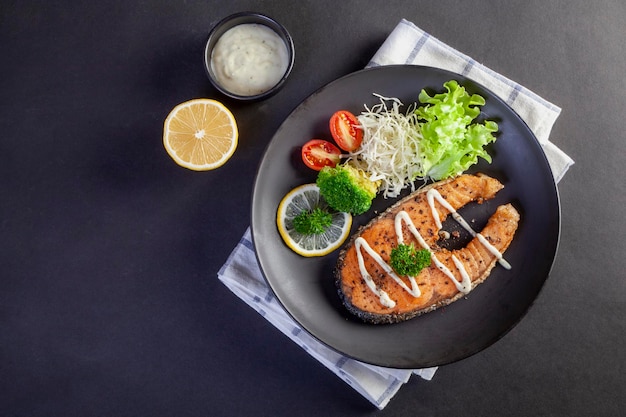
(248, 56)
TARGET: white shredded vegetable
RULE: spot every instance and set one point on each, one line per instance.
(390, 148)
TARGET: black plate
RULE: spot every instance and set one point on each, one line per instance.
(305, 286)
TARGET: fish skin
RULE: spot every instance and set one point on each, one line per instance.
(436, 288)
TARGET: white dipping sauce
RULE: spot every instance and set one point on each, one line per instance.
(249, 59)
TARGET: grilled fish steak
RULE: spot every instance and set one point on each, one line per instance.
(436, 288)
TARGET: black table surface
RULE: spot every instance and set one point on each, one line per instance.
(109, 299)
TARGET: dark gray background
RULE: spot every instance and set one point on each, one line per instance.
(109, 299)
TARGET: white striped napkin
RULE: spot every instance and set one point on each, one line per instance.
(407, 44)
(241, 273)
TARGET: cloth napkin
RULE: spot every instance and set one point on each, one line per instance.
(407, 44)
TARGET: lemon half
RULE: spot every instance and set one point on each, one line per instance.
(200, 134)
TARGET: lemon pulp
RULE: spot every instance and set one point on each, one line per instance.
(305, 198)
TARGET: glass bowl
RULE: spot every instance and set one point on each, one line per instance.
(216, 67)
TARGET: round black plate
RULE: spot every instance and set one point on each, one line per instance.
(305, 286)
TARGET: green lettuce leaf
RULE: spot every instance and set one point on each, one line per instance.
(452, 141)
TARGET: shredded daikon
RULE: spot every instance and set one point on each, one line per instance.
(390, 151)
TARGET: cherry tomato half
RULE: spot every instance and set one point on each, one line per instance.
(346, 130)
(318, 153)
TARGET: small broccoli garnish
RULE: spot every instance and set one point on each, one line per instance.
(312, 222)
(406, 260)
(346, 188)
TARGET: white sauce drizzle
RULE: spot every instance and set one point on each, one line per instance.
(383, 296)
(464, 285)
(433, 194)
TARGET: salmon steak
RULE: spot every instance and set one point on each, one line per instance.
(373, 291)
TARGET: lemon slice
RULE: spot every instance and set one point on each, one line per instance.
(200, 134)
(305, 198)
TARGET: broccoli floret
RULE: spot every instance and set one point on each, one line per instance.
(406, 260)
(346, 188)
(312, 222)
